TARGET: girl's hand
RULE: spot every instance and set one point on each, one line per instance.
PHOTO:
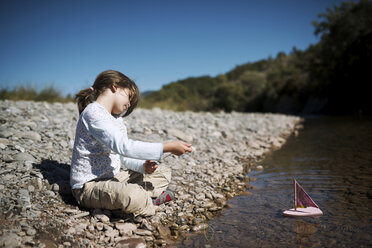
(177, 147)
(150, 166)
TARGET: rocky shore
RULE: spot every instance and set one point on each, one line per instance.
(38, 210)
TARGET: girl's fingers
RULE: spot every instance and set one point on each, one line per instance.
(151, 168)
(188, 148)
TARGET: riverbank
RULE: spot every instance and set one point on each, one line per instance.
(37, 208)
(331, 159)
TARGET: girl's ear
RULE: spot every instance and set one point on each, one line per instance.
(113, 88)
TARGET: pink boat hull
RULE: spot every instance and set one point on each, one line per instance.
(303, 212)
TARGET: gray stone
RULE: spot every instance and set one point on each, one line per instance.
(132, 242)
(99, 226)
(71, 230)
(24, 198)
(5, 134)
(143, 232)
(31, 135)
(81, 226)
(112, 233)
(31, 232)
(200, 196)
(50, 193)
(102, 218)
(80, 215)
(39, 183)
(24, 157)
(64, 144)
(30, 124)
(126, 228)
(55, 187)
(146, 225)
(107, 227)
(200, 227)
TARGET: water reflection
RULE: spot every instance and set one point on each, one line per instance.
(332, 160)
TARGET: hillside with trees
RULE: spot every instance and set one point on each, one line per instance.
(329, 77)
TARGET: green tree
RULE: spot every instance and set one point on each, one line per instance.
(338, 68)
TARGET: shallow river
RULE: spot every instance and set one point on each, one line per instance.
(332, 160)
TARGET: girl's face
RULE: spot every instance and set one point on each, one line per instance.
(121, 101)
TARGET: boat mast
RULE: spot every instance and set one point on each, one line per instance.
(295, 193)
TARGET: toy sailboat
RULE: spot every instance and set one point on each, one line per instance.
(303, 204)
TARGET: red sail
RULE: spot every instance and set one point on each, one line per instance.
(302, 199)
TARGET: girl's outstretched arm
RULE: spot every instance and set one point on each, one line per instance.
(117, 140)
(177, 147)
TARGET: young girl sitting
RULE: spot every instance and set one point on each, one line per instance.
(102, 145)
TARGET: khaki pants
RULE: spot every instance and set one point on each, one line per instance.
(128, 190)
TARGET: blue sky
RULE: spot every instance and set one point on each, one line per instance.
(67, 43)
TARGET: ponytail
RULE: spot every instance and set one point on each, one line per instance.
(85, 97)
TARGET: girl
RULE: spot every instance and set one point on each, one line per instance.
(102, 145)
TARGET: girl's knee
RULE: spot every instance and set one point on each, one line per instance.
(134, 199)
(164, 172)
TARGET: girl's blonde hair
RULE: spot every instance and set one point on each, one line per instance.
(105, 80)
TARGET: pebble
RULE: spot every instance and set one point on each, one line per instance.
(50, 193)
(31, 135)
(83, 214)
(102, 218)
(36, 140)
(112, 233)
(132, 242)
(31, 232)
(107, 227)
(24, 198)
(200, 227)
(5, 134)
(99, 226)
(81, 226)
(126, 228)
(39, 183)
(164, 232)
(23, 157)
(146, 225)
(143, 232)
(55, 187)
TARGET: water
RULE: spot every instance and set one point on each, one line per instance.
(332, 159)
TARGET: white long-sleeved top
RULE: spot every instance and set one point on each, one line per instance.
(102, 143)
